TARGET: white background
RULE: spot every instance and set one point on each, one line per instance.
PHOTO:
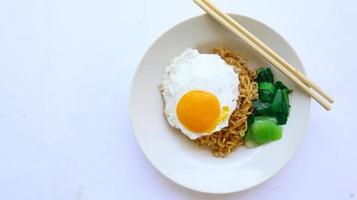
(65, 73)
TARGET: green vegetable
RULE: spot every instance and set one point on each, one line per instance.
(250, 119)
(264, 75)
(249, 139)
(286, 105)
(265, 96)
(280, 106)
(270, 111)
(266, 118)
(262, 108)
(265, 131)
(280, 85)
(267, 86)
(277, 100)
(266, 91)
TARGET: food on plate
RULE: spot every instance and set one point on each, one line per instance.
(200, 92)
(221, 143)
(263, 130)
(271, 110)
(216, 101)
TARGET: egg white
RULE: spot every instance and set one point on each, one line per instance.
(194, 71)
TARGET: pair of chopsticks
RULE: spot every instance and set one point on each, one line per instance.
(282, 65)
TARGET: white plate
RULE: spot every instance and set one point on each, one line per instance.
(181, 160)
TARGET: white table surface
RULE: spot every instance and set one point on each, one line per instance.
(65, 73)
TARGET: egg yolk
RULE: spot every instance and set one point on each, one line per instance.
(198, 111)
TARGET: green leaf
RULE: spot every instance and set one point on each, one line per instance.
(280, 106)
(265, 96)
(264, 75)
(286, 104)
(280, 85)
(250, 119)
(267, 87)
(277, 101)
(262, 108)
(266, 91)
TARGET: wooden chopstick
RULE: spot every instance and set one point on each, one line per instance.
(280, 67)
(263, 46)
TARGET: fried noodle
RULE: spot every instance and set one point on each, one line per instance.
(223, 142)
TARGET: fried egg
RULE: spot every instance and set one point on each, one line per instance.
(200, 92)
